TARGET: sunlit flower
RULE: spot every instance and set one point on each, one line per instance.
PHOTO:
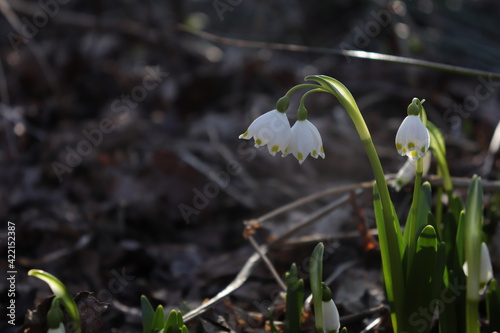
(412, 138)
(486, 269)
(271, 129)
(407, 172)
(331, 321)
(305, 140)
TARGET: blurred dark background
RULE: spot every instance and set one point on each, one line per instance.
(119, 144)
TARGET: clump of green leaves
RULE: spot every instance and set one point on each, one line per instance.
(153, 321)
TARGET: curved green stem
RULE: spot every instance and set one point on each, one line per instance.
(393, 247)
(301, 86)
(60, 291)
(303, 99)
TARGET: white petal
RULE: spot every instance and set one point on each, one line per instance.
(486, 269)
(412, 138)
(318, 143)
(486, 273)
(60, 329)
(272, 128)
(305, 140)
(331, 321)
(407, 172)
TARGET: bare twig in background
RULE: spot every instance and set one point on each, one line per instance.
(138, 30)
(268, 262)
(35, 49)
(340, 52)
(256, 257)
(4, 104)
(488, 185)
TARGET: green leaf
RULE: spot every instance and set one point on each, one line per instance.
(147, 314)
(315, 279)
(420, 285)
(172, 322)
(439, 150)
(294, 300)
(271, 322)
(158, 319)
(414, 228)
(60, 291)
(493, 305)
(472, 241)
(384, 251)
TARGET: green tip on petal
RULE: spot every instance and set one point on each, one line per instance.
(399, 146)
(422, 149)
(314, 153)
(414, 153)
(258, 142)
(275, 149)
(322, 150)
(244, 135)
(411, 145)
(300, 156)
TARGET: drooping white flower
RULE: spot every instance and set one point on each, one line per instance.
(407, 172)
(331, 321)
(486, 269)
(305, 140)
(412, 138)
(271, 129)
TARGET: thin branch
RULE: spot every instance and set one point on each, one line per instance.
(256, 257)
(36, 50)
(268, 262)
(342, 52)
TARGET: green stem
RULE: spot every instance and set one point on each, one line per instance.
(301, 86)
(439, 212)
(60, 291)
(412, 221)
(393, 232)
(303, 99)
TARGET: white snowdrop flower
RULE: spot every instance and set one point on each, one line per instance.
(271, 129)
(486, 269)
(331, 321)
(408, 170)
(305, 140)
(59, 329)
(412, 138)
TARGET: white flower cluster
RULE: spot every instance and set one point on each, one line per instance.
(273, 129)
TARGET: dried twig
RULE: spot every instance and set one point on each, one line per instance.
(35, 49)
(263, 249)
(342, 52)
